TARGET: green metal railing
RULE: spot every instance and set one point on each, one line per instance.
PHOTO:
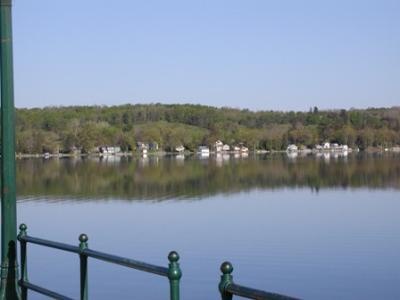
(173, 272)
(228, 288)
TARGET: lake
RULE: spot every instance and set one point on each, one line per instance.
(314, 227)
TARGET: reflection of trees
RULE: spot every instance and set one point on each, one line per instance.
(165, 178)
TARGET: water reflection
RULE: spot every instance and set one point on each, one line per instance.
(155, 178)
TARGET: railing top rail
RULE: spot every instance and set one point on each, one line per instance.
(123, 261)
(250, 293)
(48, 243)
(130, 263)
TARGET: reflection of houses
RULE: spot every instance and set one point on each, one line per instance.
(292, 154)
(292, 148)
(180, 149)
(180, 159)
(245, 154)
(110, 159)
(109, 150)
(218, 145)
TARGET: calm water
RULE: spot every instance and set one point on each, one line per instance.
(312, 227)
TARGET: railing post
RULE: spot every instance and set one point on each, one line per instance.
(24, 267)
(226, 279)
(174, 275)
(83, 238)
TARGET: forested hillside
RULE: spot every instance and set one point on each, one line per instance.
(54, 129)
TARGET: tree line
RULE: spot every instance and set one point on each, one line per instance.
(66, 129)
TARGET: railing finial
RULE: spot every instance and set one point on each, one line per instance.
(83, 238)
(22, 229)
(226, 268)
(173, 256)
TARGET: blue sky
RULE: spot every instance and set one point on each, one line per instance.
(256, 54)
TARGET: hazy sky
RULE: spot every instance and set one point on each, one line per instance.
(257, 54)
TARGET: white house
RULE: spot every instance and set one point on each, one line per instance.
(226, 148)
(110, 150)
(336, 146)
(326, 146)
(292, 148)
(318, 147)
(244, 149)
(236, 148)
(180, 149)
(218, 145)
(204, 150)
(140, 146)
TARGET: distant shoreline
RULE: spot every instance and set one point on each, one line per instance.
(188, 153)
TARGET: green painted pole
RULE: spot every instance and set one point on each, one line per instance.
(174, 275)
(9, 267)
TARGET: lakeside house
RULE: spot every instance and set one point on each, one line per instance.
(146, 147)
(318, 147)
(203, 150)
(142, 147)
(244, 149)
(341, 148)
(180, 149)
(226, 148)
(153, 146)
(109, 150)
(218, 145)
(236, 149)
(332, 147)
(292, 148)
